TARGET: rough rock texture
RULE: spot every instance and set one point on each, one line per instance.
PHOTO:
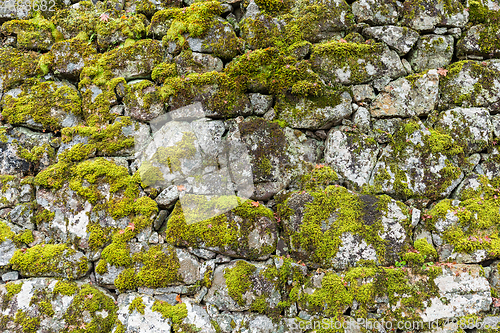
(249, 166)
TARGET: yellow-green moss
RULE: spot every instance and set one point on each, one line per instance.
(36, 102)
(176, 313)
(137, 304)
(238, 280)
(66, 288)
(51, 259)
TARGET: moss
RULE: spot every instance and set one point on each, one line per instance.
(423, 252)
(16, 66)
(29, 324)
(137, 304)
(5, 232)
(13, 288)
(44, 216)
(101, 267)
(238, 280)
(26, 237)
(132, 26)
(194, 20)
(91, 301)
(477, 227)
(163, 71)
(176, 313)
(36, 33)
(320, 235)
(172, 156)
(117, 254)
(220, 231)
(320, 177)
(46, 308)
(36, 102)
(66, 288)
(325, 57)
(51, 259)
(159, 267)
(126, 280)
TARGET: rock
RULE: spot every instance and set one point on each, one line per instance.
(220, 39)
(471, 127)
(12, 191)
(277, 154)
(33, 34)
(376, 12)
(480, 40)
(150, 7)
(141, 318)
(421, 167)
(384, 129)
(43, 105)
(167, 198)
(193, 62)
(462, 290)
(431, 51)
(51, 260)
(351, 155)
(318, 231)
(70, 56)
(258, 29)
(47, 303)
(352, 63)
(10, 276)
(401, 39)
(260, 103)
(361, 119)
(415, 95)
(16, 66)
(362, 92)
(238, 286)
(133, 27)
(308, 113)
(471, 84)
(428, 14)
(142, 100)
(246, 231)
(24, 151)
(135, 61)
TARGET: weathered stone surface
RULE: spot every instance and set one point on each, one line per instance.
(36, 148)
(220, 39)
(480, 40)
(471, 127)
(277, 154)
(16, 66)
(47, 304)
(142, 101)
(428, 14)
(226, 295)
(400, 39)
(43, 105)
(309, 113)
(431, 51)
(70, 56)
(321, 235)
(471, 84)
(135, 321)
(13, 191)
(260, 103)
(462, 289)
(421, 166)
(351, 155)
(352, 63)
(194, 62)
(407, 97)
(376, 12)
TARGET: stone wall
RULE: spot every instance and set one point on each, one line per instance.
(372, 129)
